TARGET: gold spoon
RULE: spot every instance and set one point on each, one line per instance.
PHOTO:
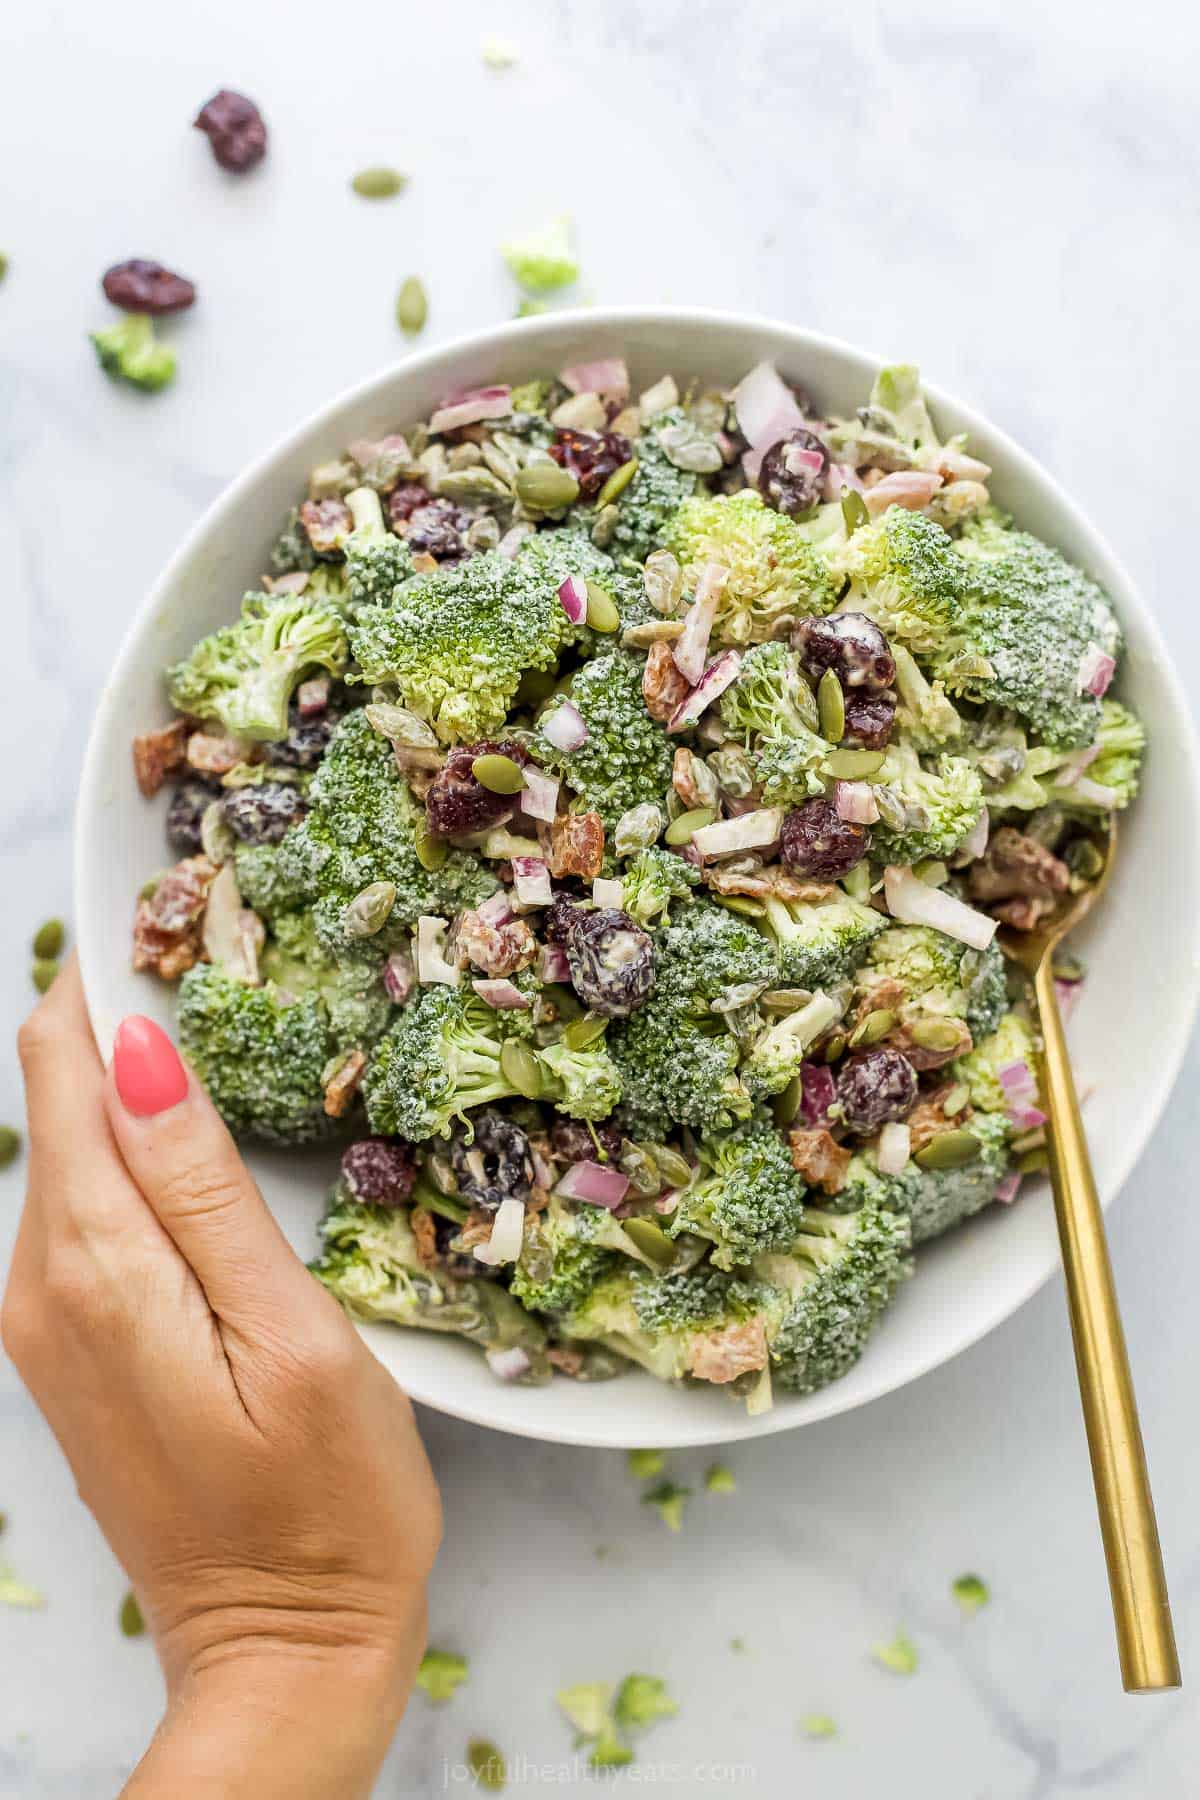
(1145, 1636)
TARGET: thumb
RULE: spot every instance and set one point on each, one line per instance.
(181, 1156)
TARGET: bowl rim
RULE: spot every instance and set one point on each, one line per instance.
(496, 339)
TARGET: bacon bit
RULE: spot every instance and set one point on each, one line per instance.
(919, 1055)
(729, 1351)
(423, 563)
(425, 1236)
(790, 887)
(328, 524)
(477, 1228)
(566, 1358)
(753, 881)
(683, 779)
(494, 949)
(343, 1084)
(1024, 914)
(157, 754)
(577, 845)
(820, 1159)
(887, 995)
(312, 697)
(927, 1120)
(910, 488)
(1016, 865)
(663, 687)
(214, 755)
(167, 924)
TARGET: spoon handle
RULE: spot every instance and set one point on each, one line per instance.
(1145, 1637)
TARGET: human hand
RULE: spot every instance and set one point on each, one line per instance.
(254, 1468)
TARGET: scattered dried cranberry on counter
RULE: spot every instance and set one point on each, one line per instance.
(235, 129)
(147, 287)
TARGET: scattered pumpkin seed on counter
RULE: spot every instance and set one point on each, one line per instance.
(48, 939)
(45, 970)
(379, 183)
(10, 1145)
(130, 1617)
(412, 306)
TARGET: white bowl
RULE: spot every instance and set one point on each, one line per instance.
(1131, 1028)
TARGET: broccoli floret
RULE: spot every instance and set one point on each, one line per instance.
(773, 569)
(654, 1320)
(791, 770)
(543, 261)
(647, 507)
(566, 1251)
(585, 1084)
(260, 1053)
(641, 1701)
(906, 574)
(457, 641)
(361, 829)
(1012, 1042)
(626, 757)
(244, 675)
(440, 1058)
(820, 942)
(651, 880)
(775, 1056)
(369, 1261)
(270, 880)
(933, 1200)
(1026, 621)
(558, 551)
(925, 718)
(350, 985)
(943, 805)
(770, 698)
(709, 950)
(748, 1197)
(1116, 766)
(938, 975)
(130, 350)
(838, 1275)
(376, 560)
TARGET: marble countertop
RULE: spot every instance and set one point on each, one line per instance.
(1005, 195)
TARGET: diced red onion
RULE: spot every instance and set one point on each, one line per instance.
(607, 375)
(502, 994)
(1069, 995)
(508, 1231)
(854, 801)
(552, 964)
(399, 977)
(690, 648)
(975, 842)
(471, 407)
(607, 892)
(495, 910)
(721, 671)
(753, 831)
(539, 797)
(911, 488)
(818, 1092)
(837, 477)
(531, 878)
(573, 594)
(913, 902)
(765, 406)
(1095, 794)
(595, 1183)
(1096, 670)
(895, 1147)
(1007, 1188)
(666, 1203)
(564, 728)
(798, 460)
(510, 1364)
(1020, 1095)
(312, 697)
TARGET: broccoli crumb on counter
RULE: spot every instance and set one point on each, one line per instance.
(900, 1656)
(605, 1721)
(441, 1674)
(971, 1592)
(594, 823)
(668, 1501)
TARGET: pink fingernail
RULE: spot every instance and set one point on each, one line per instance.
(146, 1068)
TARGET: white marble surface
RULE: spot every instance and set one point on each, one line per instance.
(1006, 194)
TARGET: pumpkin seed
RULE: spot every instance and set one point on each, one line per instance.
(544, 487)
(949, 1150)
(604, 526)
(854, 511)
(892, 811)
(1033, 1162)
(853, 765)
(498, 774)
(49, 938)
(936, 1034)
(740, 903)
(638, 828)
(379, 184)
(431, 851)
(651, 631)
(474, 484)
(464, 456)
(1029, 1140)
(1084, 858)
(786, 1000)
(831, 707)
(871, 1029)
(643, 1176)
(652, 1241)
(955, 1100)
(786, 1105)
(369, 910)
(130, 1617)
(216, 834)
(602, 614)
(44, 971)
(489, 1770)
(10, 1145)
(1067, 967)
(441, 1169)
(684, 828)
(675, 1169)
(835, 1048)
(662, 579)
(617, 482)
(580, 1034)
(412, 306)
(500, 463)
(519, 1067)
(400, 726)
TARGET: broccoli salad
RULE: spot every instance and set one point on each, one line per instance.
(598, 821)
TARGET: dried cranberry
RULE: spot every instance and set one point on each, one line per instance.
(790, 477)
(869, 720)
(189, 803)
(379, 1171)
(235, 128)
(818, 1091)
(436, 529)
(611, 961)
(816, 843)
(263, 813)
(851, 645)
(493, 1164)
(146, 287)
(404, 501)
(456, 803)
(875, 1086)
(590, 456)
(571, 1141)
(560, 921)
(307, 739)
